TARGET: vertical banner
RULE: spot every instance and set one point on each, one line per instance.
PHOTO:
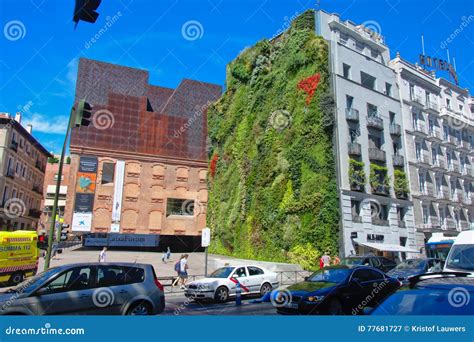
(85, 191)
(118, 194)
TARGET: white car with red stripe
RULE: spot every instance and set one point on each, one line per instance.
(221, 284)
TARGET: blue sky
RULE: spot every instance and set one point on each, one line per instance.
(38, 62)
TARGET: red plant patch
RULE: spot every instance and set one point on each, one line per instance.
(213, 165)
(309, 86)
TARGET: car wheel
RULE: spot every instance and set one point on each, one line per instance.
(140, 309)
(222, 294)
(335, 307)
(265, 289)
(16, 278)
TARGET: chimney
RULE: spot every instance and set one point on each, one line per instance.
(29, 128)
(18, 117)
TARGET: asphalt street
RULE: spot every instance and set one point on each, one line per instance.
(178, 304)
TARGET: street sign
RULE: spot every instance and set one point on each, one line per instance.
(206, 237)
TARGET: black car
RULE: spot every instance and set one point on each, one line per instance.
(382, 263)
(413, 267)
(336, 290)
(448, 293)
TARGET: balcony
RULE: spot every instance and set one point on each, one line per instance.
(466, 170)
(416, 100)
(377, 154)
(438, 165)
(10, 173)
(465, 145)
(375, 122)
(433, 134)
(398, 160)
(356, 219)
(419, 129)
(354, 149)
(39, 165)
(395, 129)
(468, 200)
(449, 224)
(453, 168)
(402, 224)
(423, 159)
(352, 114)
(432, 107)
(380, 222)
(443, 196)
(35, 213)
(37, 188)
(381, 190)
(426, 193)
(14, 146)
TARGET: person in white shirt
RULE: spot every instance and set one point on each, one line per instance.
(102, 255)
(183, 270)
(326, 259)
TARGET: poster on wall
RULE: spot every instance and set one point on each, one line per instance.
(118, 191)
(85, 184)
(81, 222)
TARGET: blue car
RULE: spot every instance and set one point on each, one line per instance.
(448, 293)
(413, 267)
(337, 290)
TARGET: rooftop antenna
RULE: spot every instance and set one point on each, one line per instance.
(447, 52)
(423, 43)
(454, 63)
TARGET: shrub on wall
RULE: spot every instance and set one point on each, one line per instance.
(274, 195)
(400, 184)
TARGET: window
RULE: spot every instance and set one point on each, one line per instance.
(401, 213)
(434, 154)
(62, 177)
(445, 132)
(116, 275)
(359, 46)
(239, 273)
(181, 207)
(254, 270)
(108, 171)
(367, 80)
(349, 101)
(425, 214)
(418, 151)
(5, 195)
(427, 97)
(461, 108)
(412, 91)
(368, 275)
(430, 126)
(75, 279)
(346, 71)
(371, 110)
(421, 179)
(388, 89)
(448, 103)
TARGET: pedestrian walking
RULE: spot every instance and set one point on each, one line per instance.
(103, 255)
(326, 259)
(163, 257)
(183, 270)
(321, 264)
(54, 250)
(177, 267)
(168, 253)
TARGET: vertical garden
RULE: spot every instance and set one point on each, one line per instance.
(272, 182)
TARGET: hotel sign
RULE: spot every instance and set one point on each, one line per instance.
(439, 64)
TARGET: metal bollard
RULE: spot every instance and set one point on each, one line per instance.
(238, 295)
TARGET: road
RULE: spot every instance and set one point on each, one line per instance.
(177, 305)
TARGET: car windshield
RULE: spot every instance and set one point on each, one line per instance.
(222, 272)
(423, 302)
(330, 275)
(410, 264)
(352, 261)
(461, 257)
(31, 284)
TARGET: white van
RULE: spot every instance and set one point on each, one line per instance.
(461, 255)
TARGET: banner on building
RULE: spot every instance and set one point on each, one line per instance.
(81, 222)
(118, 194)
(121, 240)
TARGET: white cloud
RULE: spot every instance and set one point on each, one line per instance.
(46, 124)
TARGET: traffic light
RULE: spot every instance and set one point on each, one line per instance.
(83, 114)
(85, 10)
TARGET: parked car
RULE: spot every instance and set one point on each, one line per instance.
(414, 267)
(461, 254)
(382, 263)
(432, 294)
(87, 289)
(221, 284)
(337, 290)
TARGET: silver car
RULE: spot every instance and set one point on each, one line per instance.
(87, 289)
(222, 283)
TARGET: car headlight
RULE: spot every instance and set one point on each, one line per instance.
(314, 299)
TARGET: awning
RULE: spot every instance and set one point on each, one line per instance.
(386, 247)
